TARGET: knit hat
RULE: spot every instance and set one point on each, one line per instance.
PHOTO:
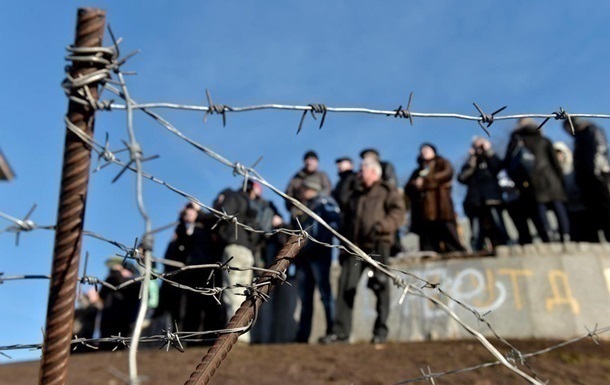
(310, 154)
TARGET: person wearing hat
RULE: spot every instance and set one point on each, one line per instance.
(374, 213)
(348, 180)
(314, 260)
(309, 170)
(532, 164)
(432, 212)
(120, 307)
(388, 172)
(592, 171)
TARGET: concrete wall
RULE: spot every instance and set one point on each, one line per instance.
(540, 291)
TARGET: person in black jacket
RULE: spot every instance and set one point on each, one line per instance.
(348, 182)
(483, 202)
(543, 187)
(120, 307)
(592, 171)
(193, 243)
(314, 260)
(238, 245)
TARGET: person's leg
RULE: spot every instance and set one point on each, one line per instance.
(243, 258)
(321, 274)
(517, 212)
(500, 236)
(351, 269)
(382, 292)
(449, 236)
(563, 221)
(476, 241)
(539, 217)
(306, 285)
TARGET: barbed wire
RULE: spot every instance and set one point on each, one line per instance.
(483, 119)
(593, 334)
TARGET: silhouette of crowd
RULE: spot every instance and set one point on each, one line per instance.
(534, 181)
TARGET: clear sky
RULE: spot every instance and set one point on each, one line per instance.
(531, 56)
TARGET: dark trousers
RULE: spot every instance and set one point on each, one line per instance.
(520, 211)
(440, 236)
(312, 270)
(203, 313)
(582, 227)
(487, 222)
(351, 270)
(561, 213)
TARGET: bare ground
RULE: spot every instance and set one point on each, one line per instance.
(580, 363)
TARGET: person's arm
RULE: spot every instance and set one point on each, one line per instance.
(442, 174)
(394, 213)
(390, 174)
(326, 185)
(467, 170)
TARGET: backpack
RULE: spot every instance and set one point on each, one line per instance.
(521, 164)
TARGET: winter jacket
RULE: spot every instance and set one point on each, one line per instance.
(591, 166)
(374, 214)
(547, 177)
(433, 201)
(479, 174)
(348, 182)
(235, 202)
(294, 188)
(573, 193)
(326, 208)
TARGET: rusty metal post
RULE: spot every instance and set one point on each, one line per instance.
(244, 315)
(71, 213)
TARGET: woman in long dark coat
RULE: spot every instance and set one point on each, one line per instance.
(432, 212)
(543, 188)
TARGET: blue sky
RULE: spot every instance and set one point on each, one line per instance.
(531, 56)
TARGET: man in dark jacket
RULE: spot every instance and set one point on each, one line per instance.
(374, 213)
(483, 202)
(432, 213)
(310, 170)
(348, 181)
(592, 171)
(543, 188)
(121, 306)
(314, 260)
(238, 244)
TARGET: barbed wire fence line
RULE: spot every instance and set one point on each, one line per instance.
(110, 63)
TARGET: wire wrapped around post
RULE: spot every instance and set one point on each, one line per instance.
(245, 314)
(71, 211)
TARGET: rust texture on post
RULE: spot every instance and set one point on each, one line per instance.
(244, 315)
(71, 213)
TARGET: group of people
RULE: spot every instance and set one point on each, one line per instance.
(534, 176)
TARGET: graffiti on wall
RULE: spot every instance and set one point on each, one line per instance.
(490, 289)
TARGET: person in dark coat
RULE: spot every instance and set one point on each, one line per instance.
(388, 175)
(582, 228)
(592, 171)
(314, 260)
(483, 203)
(432, 214)
(310, 170)
(120, 307)
(193, 243)
(348, 182)
(375, 211)
(542, 188)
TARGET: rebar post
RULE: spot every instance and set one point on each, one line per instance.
(71, 211)
(244, 315)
